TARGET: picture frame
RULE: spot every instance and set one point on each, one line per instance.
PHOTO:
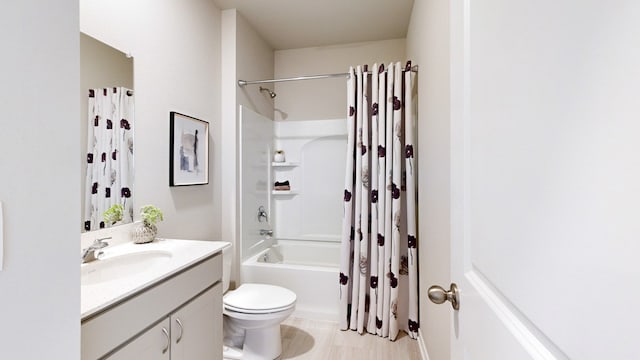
(188, 150)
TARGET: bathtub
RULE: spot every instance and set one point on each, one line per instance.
(308, 268)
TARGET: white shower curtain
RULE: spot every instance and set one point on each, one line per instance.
(378, 270)
(109, 155)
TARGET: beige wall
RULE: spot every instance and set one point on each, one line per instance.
(326, 98)
(428, 45)
(176, 47)
(254, 60)
(39, 186)
(100, 66)
(246, 56)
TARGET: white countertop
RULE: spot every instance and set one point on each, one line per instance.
(184, 253)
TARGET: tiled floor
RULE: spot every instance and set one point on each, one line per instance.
(310, 340)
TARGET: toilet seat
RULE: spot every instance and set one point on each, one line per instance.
(249, 311)
(259, 299)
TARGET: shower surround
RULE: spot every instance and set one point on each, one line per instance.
(303, 253)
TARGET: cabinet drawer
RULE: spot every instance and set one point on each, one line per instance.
(105, 331)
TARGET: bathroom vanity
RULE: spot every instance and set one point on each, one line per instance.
(161, 300)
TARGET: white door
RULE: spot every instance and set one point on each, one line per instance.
(546, 178)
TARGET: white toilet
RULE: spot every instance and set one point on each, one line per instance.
(258, 310)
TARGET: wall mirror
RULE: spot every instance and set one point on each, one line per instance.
(107, 127)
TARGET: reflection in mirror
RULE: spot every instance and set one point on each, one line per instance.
(107, 108)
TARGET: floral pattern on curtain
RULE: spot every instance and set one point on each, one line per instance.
(109, 155)
(379, 269)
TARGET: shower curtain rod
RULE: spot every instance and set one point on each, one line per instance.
(310, 77)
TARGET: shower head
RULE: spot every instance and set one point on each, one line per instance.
(271, 93)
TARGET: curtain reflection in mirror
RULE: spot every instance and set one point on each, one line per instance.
(109, 179)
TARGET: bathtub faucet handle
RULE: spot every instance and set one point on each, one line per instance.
(262, 214)
(264, 232)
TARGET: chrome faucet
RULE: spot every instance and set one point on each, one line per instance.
(89, 254)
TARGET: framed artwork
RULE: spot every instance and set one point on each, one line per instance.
(188, 151)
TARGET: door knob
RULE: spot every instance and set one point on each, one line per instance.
(438, 295)
(262, 214)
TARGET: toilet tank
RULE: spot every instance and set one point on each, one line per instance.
(227, 259)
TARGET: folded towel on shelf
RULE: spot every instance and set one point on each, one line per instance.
(282, 185)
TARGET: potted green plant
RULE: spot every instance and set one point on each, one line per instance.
(147, 230)
(113, 215)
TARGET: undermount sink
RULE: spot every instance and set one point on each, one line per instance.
(118, 266)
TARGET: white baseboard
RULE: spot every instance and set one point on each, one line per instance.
(423, 347)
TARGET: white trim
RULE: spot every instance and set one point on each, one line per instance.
(424, 355)
(531, 339)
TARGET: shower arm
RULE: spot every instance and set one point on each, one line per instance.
(271, 93)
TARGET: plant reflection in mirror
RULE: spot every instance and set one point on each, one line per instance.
(113, 214)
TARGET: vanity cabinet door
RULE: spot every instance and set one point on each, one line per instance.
(196, 328)
(153, 344)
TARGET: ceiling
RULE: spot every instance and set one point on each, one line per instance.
(291, 24)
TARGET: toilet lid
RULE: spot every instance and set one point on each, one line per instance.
(259, 297)
(230, 309)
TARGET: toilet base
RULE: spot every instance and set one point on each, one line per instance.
(259, 344)
(231, 353)
(262, 344)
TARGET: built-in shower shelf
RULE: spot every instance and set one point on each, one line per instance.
(284, 192)
(284, 164)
